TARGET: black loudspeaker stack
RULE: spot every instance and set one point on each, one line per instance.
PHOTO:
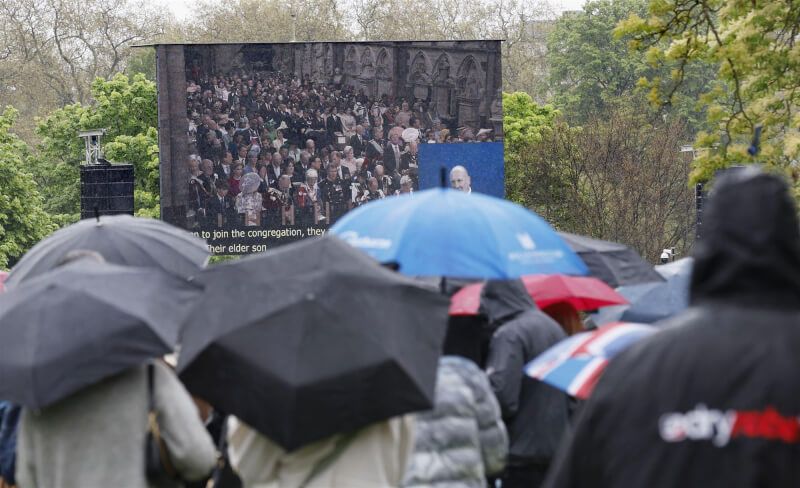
(107, 187)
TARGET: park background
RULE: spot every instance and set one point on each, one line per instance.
(611, 111)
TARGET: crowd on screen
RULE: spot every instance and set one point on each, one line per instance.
(270, 149)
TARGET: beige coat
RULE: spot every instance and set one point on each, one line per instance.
(376, 458)
(95, 437)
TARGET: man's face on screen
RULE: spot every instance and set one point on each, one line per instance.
(459, 180)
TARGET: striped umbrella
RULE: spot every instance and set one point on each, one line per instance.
(575, 364)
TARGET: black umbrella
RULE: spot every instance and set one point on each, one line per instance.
(121, 239)
(615, 264)
(313, 339)
(83, 322)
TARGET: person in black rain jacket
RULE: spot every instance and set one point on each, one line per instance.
(536, 414)
(713, 399)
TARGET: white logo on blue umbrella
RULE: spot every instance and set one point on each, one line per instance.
(365, 242)
(526, 241)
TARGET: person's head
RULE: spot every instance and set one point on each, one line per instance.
(360, 129)
(394, 137)
(348, 152)
(242, 151)
(566, 315)
(373, 184)
(228, 159)
(252, 160)
(262, 171)
(304, 158)
(283, 152)
(310, 145)
(284, 182)
(222, 188)
(332, 172)
(311, 177)
(207, 167)
(749, 253)
(377, 133)
(379, 170)
(336, 158)
(405, 184)
(289, 170)
(277, 159)
(194, 166)
(238, 170)
(459, 178)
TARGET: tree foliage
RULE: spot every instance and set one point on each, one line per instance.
(23, 222)
(52, 50)
(592, 69)
(619, 177)
(127, 110)
(525, 123)
(755, 44)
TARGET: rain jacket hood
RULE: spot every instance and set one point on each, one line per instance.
(713, 398)
(749, 252)
(502, 300)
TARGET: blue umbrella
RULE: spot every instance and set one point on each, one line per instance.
(444, 232)
(651, 302)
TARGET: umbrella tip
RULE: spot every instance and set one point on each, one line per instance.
(443, 176)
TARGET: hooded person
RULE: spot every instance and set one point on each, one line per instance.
(536, 414)
(713, 398)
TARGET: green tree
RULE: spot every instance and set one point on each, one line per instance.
(755, 46)
(127, 110)
(52, 50)
(525, 123)
(142, 60)
(592, 69)
(23, 222)
(619, 177)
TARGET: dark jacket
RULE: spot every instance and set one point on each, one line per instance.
(713, 399)
(535, 413)
(359, 144)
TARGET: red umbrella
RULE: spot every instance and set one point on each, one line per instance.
(581, 292)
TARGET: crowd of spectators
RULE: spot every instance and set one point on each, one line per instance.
(314, 150)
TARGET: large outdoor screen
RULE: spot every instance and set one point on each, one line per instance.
(264, 144)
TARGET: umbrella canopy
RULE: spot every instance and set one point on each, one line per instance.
(312, 339)
(574, 365)
(615, 264)
(83, 322)
(651, 302)
(444, 232)
(583, 293)
(120, 239)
